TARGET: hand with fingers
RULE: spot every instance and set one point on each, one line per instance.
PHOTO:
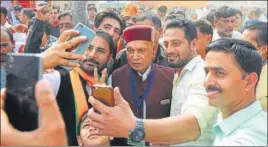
(100, 81)
(114, 121)
(20, 28)
(42, 13)
(51, 131)
(57, 54)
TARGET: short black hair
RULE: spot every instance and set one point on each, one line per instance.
(56, 7)
(225, 11)
(204, 27)
(162, 9)
(108, 14)
(187, 26)
(239, 12)
(65, 14)
(4, 10)
(90, 6)
(261, 27)
(152, 16)
(4, 29)
(210, 17)
(28, 13)
(17, 8)
(109, 39)
(244, 53)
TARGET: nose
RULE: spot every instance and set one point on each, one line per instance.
(208, 80)
(92, 54)
(92, 129)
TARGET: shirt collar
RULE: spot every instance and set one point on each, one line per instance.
(190, 66)
(145, 74)
(234, 121)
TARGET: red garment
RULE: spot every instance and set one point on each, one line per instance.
(21, 49)
(54, 24)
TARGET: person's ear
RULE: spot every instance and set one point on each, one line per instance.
(215, 22)
(79, 141)
(193, 45)
(250, 81)
(208, 38)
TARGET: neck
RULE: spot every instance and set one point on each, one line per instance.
(3, 23)
(179, 70)
(224, 35)
(91, 18)
(226, 112)
(143, 71)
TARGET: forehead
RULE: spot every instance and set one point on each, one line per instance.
(54, 11)
(223, 60)
(66, 18)
(111, 21)
(100, 42)
(139, 44)
(228, 18)
(174, 34)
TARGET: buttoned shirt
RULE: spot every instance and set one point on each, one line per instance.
(261, 92)
(246, 127)
(190, 97)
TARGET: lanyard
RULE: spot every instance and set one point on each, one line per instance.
(134, 91)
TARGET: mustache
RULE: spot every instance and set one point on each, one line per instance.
(92, 61)
(213, 88)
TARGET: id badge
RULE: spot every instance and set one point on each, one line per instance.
(134, 143)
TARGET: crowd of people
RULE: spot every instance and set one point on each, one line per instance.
(178, 79)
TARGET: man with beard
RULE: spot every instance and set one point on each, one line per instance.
(7, 45)
(224, 23)
(69, 87)
(192, 119)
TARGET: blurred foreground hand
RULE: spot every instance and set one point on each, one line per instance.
(51, 131)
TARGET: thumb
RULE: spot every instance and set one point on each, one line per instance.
(50, 114)
(118, 97)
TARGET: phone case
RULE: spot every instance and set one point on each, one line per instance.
(104, 94)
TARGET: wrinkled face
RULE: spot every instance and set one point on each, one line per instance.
(130, 20)
(112, 27)
(6, 47)
(224, 80)
(97, 55)
(178, 50)
(140, 54)
(238, 20)
(225, 25)
(87, 139)
(202, 42)
(54, 15)
(65, 23)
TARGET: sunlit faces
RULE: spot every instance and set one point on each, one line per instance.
(225, 25)
(202, 42)
(178, 50)
(97, 55)
(140, 54)
(112, 27)
(224, 82)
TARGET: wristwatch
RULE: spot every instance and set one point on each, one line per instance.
(137, 134)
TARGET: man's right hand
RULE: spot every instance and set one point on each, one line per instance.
(42, 13)
(57, 55)
(51, 131)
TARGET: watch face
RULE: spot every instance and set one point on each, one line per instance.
(138, 135)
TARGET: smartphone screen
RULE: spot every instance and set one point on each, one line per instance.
(23, 72)
(104, 94)
(80, 49)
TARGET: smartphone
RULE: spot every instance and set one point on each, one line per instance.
(22, 73)
(105, 94)
(80, 49)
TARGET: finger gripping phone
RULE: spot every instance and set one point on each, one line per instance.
(104, 94)
(23, 72)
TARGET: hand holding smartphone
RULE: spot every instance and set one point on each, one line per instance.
(80, 49)
(105, 94)
(23, 72)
